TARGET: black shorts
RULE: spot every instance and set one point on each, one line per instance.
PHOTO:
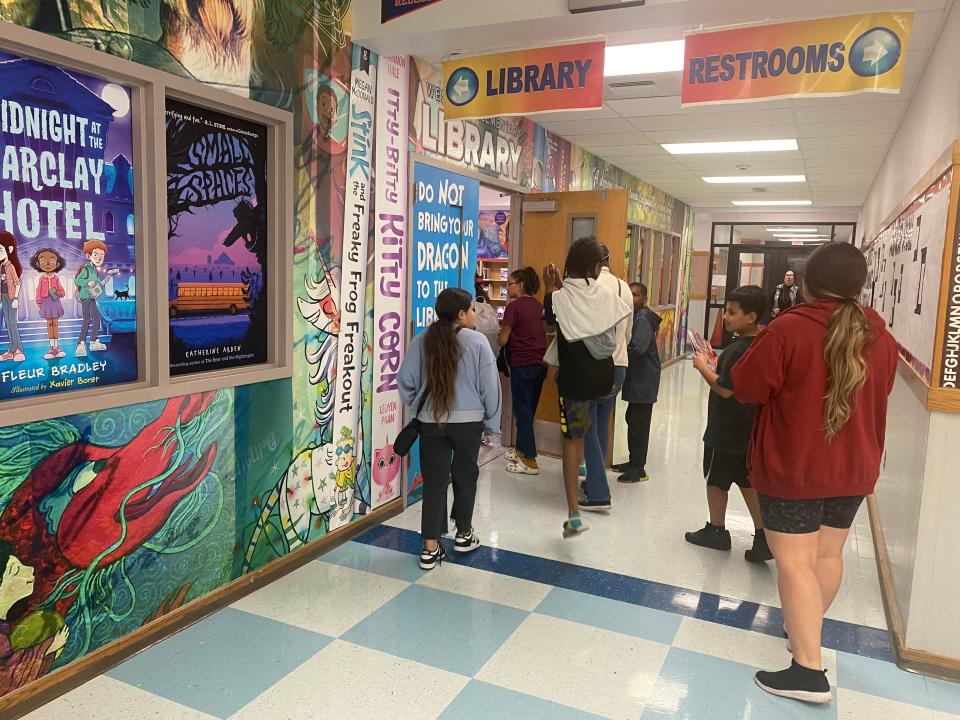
(574, 418)
(724, 470)
(797, 517)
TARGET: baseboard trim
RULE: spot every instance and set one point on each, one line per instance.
(40, 692)
(909, 659)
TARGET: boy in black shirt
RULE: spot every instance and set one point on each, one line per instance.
(729, 426)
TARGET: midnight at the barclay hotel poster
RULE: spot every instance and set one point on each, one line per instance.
(217, 215)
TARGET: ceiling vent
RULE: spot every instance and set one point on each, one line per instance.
(631, 84)
(759, 189)
(582, 6)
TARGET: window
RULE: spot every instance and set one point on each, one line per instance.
(130, 225)
(108, 222)
(582, 227)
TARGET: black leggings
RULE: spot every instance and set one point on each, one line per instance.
(797, 517)
(448, 452)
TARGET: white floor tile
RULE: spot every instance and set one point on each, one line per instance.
(857, 706)
(763, 652)
(593, 670)
(104, 698)
(525, 514)
(348, 682)
(483, 585)
(325, 598)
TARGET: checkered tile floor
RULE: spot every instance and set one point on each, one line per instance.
(364, 633)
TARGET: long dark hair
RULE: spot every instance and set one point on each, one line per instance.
(838, 271)
(9, 242)
(528, 279)
(583, 257)
(442, 351)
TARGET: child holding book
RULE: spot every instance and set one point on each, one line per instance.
(729, 427)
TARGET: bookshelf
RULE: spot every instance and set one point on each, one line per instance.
(495, 274)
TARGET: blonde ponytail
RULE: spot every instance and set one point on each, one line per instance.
(847, 335)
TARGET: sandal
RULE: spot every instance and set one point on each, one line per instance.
(519, 467)
(511, 455)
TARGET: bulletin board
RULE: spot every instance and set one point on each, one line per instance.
(699, 275)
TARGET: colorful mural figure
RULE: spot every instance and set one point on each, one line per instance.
(92, 507)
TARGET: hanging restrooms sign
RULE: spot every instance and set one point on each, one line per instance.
(833, 56)
(392, 9)
(525, 82)
(353, 278)
(392, 123)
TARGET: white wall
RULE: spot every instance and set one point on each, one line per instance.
(930, 125)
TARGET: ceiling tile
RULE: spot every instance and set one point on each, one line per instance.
(713, 120)
(879, 141)
(891, 108)
(576, 126)
(840, 129)
(767, 132)
(609, 139)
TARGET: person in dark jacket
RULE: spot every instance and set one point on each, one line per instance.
(642, 385)
(786, 295)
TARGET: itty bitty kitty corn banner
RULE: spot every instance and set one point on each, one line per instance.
(833, 56)
(524, 82)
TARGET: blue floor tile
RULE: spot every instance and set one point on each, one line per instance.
(886, 680)
(377, 560)
(482, 701)
(611, 615)
(694, 687)
(452, 632)
(944, 696)
(222, 663)
(683, 602)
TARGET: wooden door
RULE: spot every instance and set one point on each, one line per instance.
(547, 232)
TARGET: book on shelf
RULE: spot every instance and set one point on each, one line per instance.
(504, 274)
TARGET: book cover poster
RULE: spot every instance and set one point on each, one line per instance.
(68, 295)
(217, 230)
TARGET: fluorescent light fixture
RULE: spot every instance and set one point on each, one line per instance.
(730, 146)
(806, 238)
(770, 203)
(792, 229)
(643, 58)
(755, 179)
(795, 235)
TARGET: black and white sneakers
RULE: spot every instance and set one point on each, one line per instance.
(797, 683)
(710, 536)
(466, 542)
(429, 559)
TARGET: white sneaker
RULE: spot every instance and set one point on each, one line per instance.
(97, 346)
(81, 350)
(519, 467)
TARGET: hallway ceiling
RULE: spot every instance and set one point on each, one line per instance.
(842, 141)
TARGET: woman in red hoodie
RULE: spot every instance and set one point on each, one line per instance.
(821, 375)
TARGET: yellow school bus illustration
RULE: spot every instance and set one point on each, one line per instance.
(210, 298)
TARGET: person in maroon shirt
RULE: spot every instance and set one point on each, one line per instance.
(821, 375)
(522, 327)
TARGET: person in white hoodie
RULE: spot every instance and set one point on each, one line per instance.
(585, 315)
(596, 495)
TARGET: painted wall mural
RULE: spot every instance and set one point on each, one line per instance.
(91, 546)
(108, 521)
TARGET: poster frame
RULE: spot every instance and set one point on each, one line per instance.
(149, 89)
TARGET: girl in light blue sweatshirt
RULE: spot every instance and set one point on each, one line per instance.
(450, 370)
